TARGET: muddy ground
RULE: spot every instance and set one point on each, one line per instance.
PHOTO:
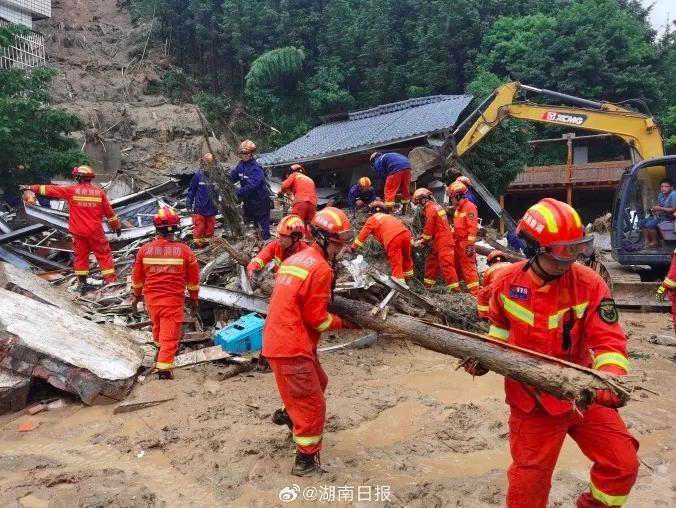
(399, 417)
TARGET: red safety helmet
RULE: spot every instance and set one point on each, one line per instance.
(364, 182)
(291, 225)
(247, 146)
(372, 159)
(331, 224)
(297, 168)
(421, 193)
(495, 256)
(554, 227)
(85, 172)
(377, 206)
(464, 180)
(457, 188)
(166, 218)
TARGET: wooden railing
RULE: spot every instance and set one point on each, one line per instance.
(581, 174)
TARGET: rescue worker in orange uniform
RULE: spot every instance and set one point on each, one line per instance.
(164, 269)
(465, 227)
(87, 205)
(297, 315)
(201, 202)
(669, 284)
(304, 193)
(438, 231)
(395, 169)
(394, 236)
(496, 261)
(291, 230)
(553, 305)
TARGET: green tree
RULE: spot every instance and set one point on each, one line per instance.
(33, 135)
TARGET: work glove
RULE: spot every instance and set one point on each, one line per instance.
(659, 295)
(474, 368)
(469, 251)
(194, 308)
(118, 232)
(350, 325)
(134, 305)
(608, 398)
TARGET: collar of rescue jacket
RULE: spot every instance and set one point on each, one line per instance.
(540, 284)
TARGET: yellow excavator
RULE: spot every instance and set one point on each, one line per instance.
(637, 190)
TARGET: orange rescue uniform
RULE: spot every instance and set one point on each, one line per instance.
(395, 237)
(573, 318)
(273, 251)
(466, 225)
(297, 315)
(87, 205)
(484, 294)
(162, 272)
(304, 195)
(669, 282)
(441, 257)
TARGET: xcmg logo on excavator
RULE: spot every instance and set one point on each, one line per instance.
(557, 116)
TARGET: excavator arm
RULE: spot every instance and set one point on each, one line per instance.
(638, 130)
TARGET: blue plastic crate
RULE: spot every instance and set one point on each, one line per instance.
(242, 336)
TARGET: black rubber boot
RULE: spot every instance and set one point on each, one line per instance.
(166, 375)
(281, 417)
(307, 464)
(83, 287)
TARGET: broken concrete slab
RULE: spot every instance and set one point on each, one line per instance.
(14, 390)
(30, 285)
(67, 351)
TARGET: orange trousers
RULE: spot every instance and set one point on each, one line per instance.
(203, 228)
(441, 258)
(465, 266)
(399, 254)
(535, 441)
(301, 383)
(167, 325)
(398, 182)
(83, 245)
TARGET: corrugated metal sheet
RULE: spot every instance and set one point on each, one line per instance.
(372, 128)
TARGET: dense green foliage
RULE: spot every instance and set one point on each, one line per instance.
(291, 61)
(32, 134)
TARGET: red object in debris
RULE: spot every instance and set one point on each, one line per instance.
(36, 408)
(27, 426)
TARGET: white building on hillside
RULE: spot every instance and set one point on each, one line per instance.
(28, 49)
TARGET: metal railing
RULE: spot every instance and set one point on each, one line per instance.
(27, 51)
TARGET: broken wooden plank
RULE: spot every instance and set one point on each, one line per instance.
(207, 354)
(129, 407)
(197, 336)
(662, 340)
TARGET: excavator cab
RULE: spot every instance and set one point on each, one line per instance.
(632, 211)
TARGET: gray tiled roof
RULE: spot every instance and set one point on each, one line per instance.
(372, 128)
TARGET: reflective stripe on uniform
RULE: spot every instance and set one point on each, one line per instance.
(669, 283)
(555, 319)
(136, 285)
(517, 310)
(459, 214)
(426, 237)
(405, 201)
(192, 287)
(81, 272)
(295, 271)
(164, 365)
(498, 333)
(258, 261)
(471, 238)
(454, 285)
(441, 213)
(113, 219)
(108, 272)
(611, 359)
(473, 285)
(429, 282)
(580, 309)
(43, 190)
(358, 242)
(483, 308)
(389, 203)
(307, 440)
(607, 499)
(277, 260)
(409, 273)
(162, 261)
(87, 199)
(324, 325)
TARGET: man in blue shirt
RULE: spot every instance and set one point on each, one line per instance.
(395, 169)
(200, 201)
(361, 194)
(663, 211)
(253, 189)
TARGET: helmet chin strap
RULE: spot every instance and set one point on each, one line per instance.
(534, 263)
